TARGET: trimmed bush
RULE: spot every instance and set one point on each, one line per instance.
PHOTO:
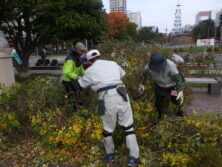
(54, 62)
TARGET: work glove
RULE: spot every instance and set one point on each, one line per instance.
(180, 97)
(141, 88)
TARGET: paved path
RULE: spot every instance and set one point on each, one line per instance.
(203, 102)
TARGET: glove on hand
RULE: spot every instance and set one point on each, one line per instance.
(141, 88)
(180, 97)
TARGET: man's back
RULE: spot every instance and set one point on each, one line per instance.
(102, 73)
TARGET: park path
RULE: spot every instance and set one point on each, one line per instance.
(203, 102)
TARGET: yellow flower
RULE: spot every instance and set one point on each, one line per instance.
(11, 117)
(58, 139)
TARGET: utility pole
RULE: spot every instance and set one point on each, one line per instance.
(86, 44)
(166, 36)
(208, 32)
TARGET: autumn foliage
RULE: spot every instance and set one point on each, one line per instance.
(119, 24)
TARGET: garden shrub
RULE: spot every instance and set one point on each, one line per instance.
(173, 142)
(54, 62)
(209, 49)
(216, 49)
(181, 50)
(38, 107)
(46, 62)
(33, 95)
(8, 122)
(175, 50)
(40, 62)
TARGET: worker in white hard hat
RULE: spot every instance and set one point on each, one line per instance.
(105, 77)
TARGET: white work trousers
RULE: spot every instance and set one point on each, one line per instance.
(118, 109)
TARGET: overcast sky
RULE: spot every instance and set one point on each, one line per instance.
(161, 12)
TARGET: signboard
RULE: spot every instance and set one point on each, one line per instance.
(205, 42)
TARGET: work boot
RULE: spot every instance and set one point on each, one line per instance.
(180, 113)
(110, 158)
(133, 161)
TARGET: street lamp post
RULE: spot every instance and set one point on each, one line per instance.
(166, 36)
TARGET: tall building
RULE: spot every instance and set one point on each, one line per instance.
(135, 17)
(205, 15)
(118, 6)
(217, 20)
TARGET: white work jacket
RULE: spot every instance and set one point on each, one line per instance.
(101, 74)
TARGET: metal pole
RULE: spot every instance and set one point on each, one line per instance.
(166, 37)
(86, 43)
(208, 32)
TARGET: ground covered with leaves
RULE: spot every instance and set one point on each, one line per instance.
(36, 130)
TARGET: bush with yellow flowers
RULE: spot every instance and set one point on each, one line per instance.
(33, 116)
(8, 122)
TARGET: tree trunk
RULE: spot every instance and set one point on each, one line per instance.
(23, 69)
(24, 72)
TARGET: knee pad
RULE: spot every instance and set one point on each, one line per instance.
(106, 134)
(131, 132)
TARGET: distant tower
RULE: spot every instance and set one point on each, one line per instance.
(177, 21)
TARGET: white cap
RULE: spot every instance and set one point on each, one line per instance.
(92, 54)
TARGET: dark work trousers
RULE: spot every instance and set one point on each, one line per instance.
(68, 86)
(72, 93)
(159, 104)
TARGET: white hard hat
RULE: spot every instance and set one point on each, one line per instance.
(92, 54)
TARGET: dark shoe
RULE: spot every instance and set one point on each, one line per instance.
(133, 161)
(110, 158)
(180, 114)
(74, 108)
